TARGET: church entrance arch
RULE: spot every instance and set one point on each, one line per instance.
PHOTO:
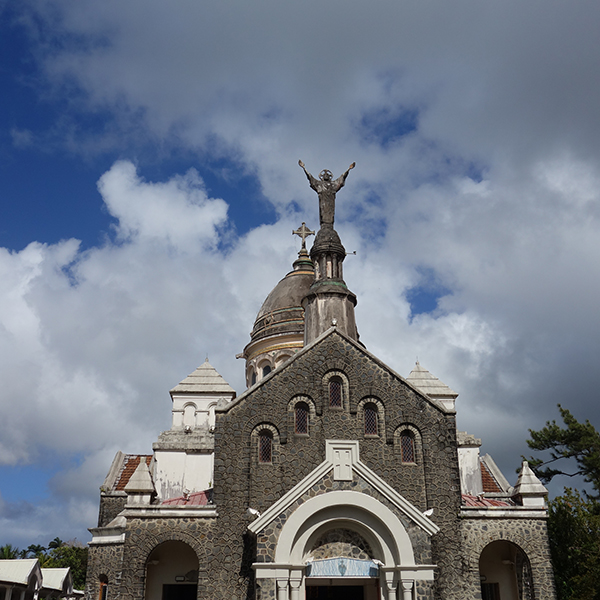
(345, 540)
(172, 572)
(505, 572)
(341, 566)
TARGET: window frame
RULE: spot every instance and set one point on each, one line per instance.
(337, 381)
(302, 406)
(265, 434)
(407, 434)
(371, 407)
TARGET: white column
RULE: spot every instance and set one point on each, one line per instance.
(295, 588)
(282, 589)
(407, 588)
(391, 585)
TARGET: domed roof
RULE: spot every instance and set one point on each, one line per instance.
(282, 312)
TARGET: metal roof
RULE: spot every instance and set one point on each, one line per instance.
(17, 571)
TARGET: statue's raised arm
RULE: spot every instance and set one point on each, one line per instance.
(339, 182)
(326, 188)
(312, 180)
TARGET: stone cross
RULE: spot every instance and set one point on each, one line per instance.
(303, 231)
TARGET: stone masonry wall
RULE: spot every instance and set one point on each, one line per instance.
(435, 484)
(104, 561)
(144, 535)
(267, 539)
(530, 535)
(110, 507)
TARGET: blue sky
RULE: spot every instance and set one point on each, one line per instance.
(149, 184)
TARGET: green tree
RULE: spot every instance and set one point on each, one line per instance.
(9, 551)
(574, 532)
(72, 555)
(573, 519)
(55, 543)
(35, 551)
(576, 442)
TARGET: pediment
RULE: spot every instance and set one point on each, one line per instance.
(342, 462)
(333, 332)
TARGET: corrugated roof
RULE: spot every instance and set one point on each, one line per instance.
(481, 502)
(130, 464)
(422, 379)
(196, 499)
(57, 579)
(204, 379)
(17, 571)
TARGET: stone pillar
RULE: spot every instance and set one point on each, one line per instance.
(407, 590)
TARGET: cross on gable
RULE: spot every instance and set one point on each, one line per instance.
(303, 232)
(342, 465)
(342, 454)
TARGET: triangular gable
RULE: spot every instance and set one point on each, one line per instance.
(342, 457)
(205, 379)
(333, 331)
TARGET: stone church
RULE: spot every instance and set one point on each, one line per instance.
(330, 477)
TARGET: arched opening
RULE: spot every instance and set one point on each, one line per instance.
(407, 446)
(340, 566)
(336, 392)
(189, 416)
(505, 572)
(172, 572)
(103, 593)
(371, 424)
(265, 446)
(307, 552)
(301, 413)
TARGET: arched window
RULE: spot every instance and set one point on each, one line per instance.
(266, 370)
(253, 378)
(189, 415)
(371, 427)
(265, 446)
(407, 446)
(301, 418)
(335, 392)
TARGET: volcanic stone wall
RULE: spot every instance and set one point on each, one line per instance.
(431, 483)
(530, 535)
(110, 506)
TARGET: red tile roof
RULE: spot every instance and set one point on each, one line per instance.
(196, 499)
(130, 464)
(481, 502)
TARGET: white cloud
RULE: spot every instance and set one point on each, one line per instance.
(494, 194)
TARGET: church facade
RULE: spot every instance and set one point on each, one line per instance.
(330, 477)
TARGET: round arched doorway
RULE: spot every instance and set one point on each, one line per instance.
(172, 572)
(505, 572)
(340, 566)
